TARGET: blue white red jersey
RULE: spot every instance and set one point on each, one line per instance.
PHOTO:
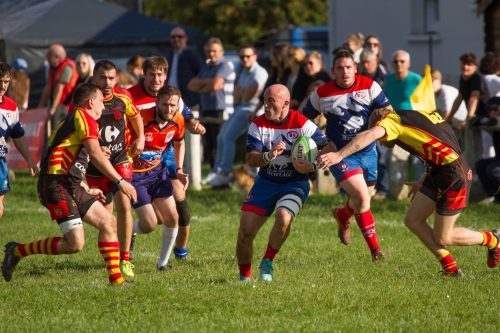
(346, 109)
(263, 134)
(143, 100)
(10, 125)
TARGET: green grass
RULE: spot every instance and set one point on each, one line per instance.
(320, 285)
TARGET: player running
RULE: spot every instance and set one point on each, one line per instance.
(12, 128)
(144, 94)
(164, 126)
(443, 188)
(347, 103)
(279, 184)
(114, 135)
(62, 192)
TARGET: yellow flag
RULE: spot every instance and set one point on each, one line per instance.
(422, 98)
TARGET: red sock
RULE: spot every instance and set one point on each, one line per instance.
(245, 269)
(270, 252)
(366, 224)
(447, 261)
(346, 212)
(45, 246)
(124, 256)
(110, 253)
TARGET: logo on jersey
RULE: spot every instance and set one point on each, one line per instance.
(118, 115)
(361, 95)
(148, 136)
(353, 125)
(110, 133)
(169, 136)
(249, 198)
(292, 135)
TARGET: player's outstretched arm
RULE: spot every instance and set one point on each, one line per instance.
(361, 140)
(102, 164)
(257, 159)
(195, 127)
(22, 147)
(179, 154)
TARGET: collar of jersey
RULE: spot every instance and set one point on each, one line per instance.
(145, 91)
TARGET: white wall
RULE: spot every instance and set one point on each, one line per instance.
(461, 30)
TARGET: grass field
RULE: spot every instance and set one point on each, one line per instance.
(320, 285)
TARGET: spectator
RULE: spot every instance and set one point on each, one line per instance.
(490, 68)
(374, 44)
(488, 170)
(125, 80)
(474, 93)
(19, 88)
(61, 81)
(312, 87)
(399, 86)
(134, 67)
(277, 57)
(372, 68)
(184, 64)
(295, 74)
(210, 82)
(85, 67)
(355, 43)
(250, 84)
(313, 67)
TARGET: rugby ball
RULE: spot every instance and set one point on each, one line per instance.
(304, 149)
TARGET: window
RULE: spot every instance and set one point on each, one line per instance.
(424, 16)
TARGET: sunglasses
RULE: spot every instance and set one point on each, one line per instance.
(246, 56)
(373, 44)
(81, 63)
(177, 36)
(398, 61)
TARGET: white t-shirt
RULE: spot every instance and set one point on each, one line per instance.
(445, 99)
(493, 84)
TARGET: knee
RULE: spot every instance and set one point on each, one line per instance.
(245, 234)
(443, 240)
(410, 222)
(283, 218)
(75, 246)
(360, 202)
(110, 224)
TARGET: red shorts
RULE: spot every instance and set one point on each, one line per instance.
(105, 184)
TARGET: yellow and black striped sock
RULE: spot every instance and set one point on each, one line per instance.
(489, 240)
(45, 246)
(110, 252)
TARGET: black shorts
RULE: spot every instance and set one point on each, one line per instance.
(449, 186)
(63, 197)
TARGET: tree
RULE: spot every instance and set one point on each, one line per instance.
(238, 22)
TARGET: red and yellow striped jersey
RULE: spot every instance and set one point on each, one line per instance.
(66, 155)
(423, 134)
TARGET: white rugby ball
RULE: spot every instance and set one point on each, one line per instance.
(304, 149)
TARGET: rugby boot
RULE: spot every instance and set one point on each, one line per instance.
(377, 255)
(10, 261)
(494, 254)
(343, 232)
(456, 274)
(166, 267)
(126, 267)
(266, 270)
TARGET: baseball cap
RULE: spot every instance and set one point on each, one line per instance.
(19, 64)
(493, 103)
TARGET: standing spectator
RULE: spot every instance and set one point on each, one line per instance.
(61, 81)
(19, 84)
(488, 169)
(250, 83)
(490, 68)
(372, 68)
(295, 74)
(373, 43)
(355, 43)
(85, 67)
(134, 67)
(399, 86)
(184, 64)
(210, 82)
(277, 57)
(474, 93)
(125, 80)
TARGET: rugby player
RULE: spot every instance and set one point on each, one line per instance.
(62, 192)
(11, 129)
(144, 94)
(444, 187)
(347, 103)
(280, 184)
(164, 126)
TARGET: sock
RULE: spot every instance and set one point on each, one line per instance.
(124, 256)
(110, 254)
(135, 228)
(447, 261)
(489, 240)
(270, 252)
(45, 246)
(168, 236)
(346, 212)
(181, 253)
(245, 269)
(366, 224)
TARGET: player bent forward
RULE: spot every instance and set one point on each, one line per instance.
(60, 189)
(279, 184)
(163, 126)
(444, 187)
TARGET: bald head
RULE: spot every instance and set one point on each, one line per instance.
(276, 102)
(178, 38)
(55, 53)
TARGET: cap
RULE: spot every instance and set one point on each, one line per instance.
(493, 103)
(19, 64)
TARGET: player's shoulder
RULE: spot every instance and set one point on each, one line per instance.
(8, 104)
(363, 82)
(327, 89)
(123, 94)
(135, 91)
(148, 114)
(178, 118)
(297, 119)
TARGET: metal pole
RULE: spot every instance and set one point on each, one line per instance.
(193, 158)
